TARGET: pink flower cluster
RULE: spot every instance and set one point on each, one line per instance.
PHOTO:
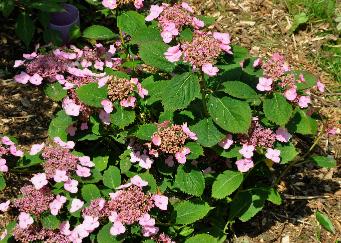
(257, 137)
(113, 4)
(172, 18)
(202, 52)
(276, 76)
(59, 165)
(7, 148)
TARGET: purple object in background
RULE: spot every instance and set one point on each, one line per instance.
(63, 21)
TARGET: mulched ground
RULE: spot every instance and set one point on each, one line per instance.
(263, 28)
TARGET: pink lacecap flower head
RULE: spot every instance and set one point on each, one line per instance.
(273, 154)
(71, 186)
(155, 11)
(4, 206)
(86, 161)
(71, 130)
(103, 81)
(224, 38)
(7, 141)
(18, 63)
(128, 102)
(3, 166)
(226, 142)
(156, 140)
(180, 156)
(247, 151)
(117, 228)
(39, 180)
(16, 152)
(25, 220)
(209, 69)
(137, 181)
(244, 165)
(186, 6)
(257, 63)
(188, 132)
(104, 117)
(320, 86)
(145, 162)
(148, 231)
(107, 105)
(110, 4)
(146, 220)
(22, 78)
(160, 201)
(83, 171)
(36, 148)
(290, 94)
(283, 135)
(84, 126)
(30, 56)
(112, 49)
(65, 228)
(36, 79)
(166, 36)
(138, 4)
(70, 107)
(198, 23)
(141, 91)
(76, 204)
(60, 176)
(304, 101)
(173, 54)
(169, 161)
(264, 84)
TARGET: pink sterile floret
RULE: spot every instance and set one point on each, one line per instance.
(160, 201)
(209, 69)
(264, 84)
(244, 165)
(283, 135)
(173, 54)
(247, 151)
(226, 142)
(273, 154)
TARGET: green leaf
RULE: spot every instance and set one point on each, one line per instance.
(247, 204)
(6, 7)
(47, 6)
(155, 90)
(101, 162)
(201, 238)
(226, 183)
(90, 192)
(122, 117)
(112, 177)
(152, 53)
(59, 124)
(324, 220)
(239, 90)
(55, 91)
(196, 150)
(9, 227)
(309, 79)
(299, 19)
(230, 114)
(89, 137)
(91, 95)
(274, 197)
(288, 152)
(29, 160)
(146, 34)
(277, 109)
(188, 212)
(190, 181)
(98, 32)
(131, 22)
(208, 20)
(239, 54)
(302, 123)
(146, 176)
(50, 222)
(104, 235)
(75, 32)
(145, 131)
(25, 28)
(186, 35)
(181, 91)
(322, 161)
(2, 182)
(208, 134)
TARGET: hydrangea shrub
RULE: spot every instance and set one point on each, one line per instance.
(166, 133)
